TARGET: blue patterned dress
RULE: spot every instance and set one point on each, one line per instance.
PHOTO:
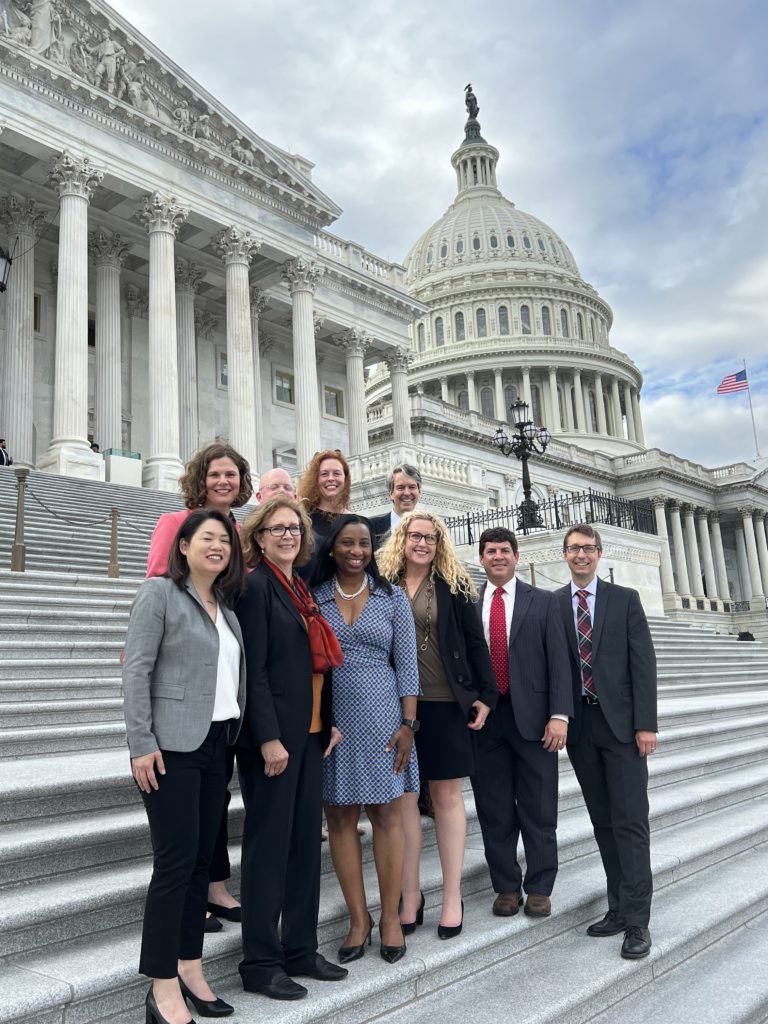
(380, 667)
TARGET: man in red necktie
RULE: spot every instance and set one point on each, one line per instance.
(515, 783)
(613, 672)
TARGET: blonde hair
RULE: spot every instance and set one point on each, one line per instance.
(446, 564)
(309, 488)
(261, 515)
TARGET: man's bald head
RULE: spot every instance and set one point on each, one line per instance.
(275, 481)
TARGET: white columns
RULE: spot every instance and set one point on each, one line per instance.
(24, 220)
(259, 303)
(639, 435)
(694, 565)
(237, 248)
(683, 586)
(69, 452)
(752, 558)
(667, 575)
(501, 411)
(602, 426)
(554, 402)
(618, 427)
(630, 414)
(301, 276)
(527, 396)
(162, 216)
(471, 391)
(762, 548)
(702, 521)
(355, 344)
(446, 396)
(398, 362)
(188, 278)
(578, 394)
(570, 425)
(722, 573)
(741, 558)
(107, 251)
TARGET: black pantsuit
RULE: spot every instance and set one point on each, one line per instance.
(220, 869)
(184, 815)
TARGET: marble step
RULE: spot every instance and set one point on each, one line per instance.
(31, 690)
(61, 668)
(42, 633)
(65, 713)
(36, 741)
(93, 979)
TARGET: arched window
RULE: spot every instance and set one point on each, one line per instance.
(482, 326)
(462, 400)
(540, 243)
(564, 323)
(591, 328)
(510, 397)
(525, 319)
(494, 242)
(527, 242)
(443, 250)
(553, 248)
(439, 331)
(422, 335)
(476, 243)
(430, 254)
(459, 324)
(510, 241)
(580, 326)
(546, 320)
(503, 320)
(592, 416)
(536, 413)
(459, 246)
(486, 402)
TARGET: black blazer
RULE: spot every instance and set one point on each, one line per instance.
(623, 661)
(463, 649)
(539, 669)
(278, 667)
(381, 526)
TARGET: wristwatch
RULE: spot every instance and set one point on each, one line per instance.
(412, 723)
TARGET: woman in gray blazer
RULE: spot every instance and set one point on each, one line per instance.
(184, 697)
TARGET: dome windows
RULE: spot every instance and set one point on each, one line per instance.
(430, 255)
(460, 329)
(540, 243)
(476, 243)
(486, 402)
(510, 240)
(422, 337)
(494, 241)
(439, 332)
(503, 320)
(553, 247)
(481, 322)
(564, 323)
(591, 328)
(443, 250)
(546, 320)
(525, 319)
(462, 400)
(580, 326)
(527, 243)
(459, 246)
(510, 397)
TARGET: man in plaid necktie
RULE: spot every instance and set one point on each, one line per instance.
(613, 672)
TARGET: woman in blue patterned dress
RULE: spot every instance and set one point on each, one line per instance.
(374, 706)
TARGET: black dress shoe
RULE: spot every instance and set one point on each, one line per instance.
(445, 931)
(206, 1007)
(153, 1015)
(391, 954)
(318, 968)
(279, 986)
(349, 953)
(410, 927)
(212, 924)
(636, 944)
(228, 913)
(611, 924)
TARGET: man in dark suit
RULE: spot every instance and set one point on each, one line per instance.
(404, 487)
(613, 670)
(516, 779)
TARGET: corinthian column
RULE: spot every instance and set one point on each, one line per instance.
(602, 427)
(107, 251)
(578, 394)
(762, 548)
(471, 391)
(639, 435)
(722, 573)
(302, 276)
(188, 278)
(630, 412)
(667, 575)
(356, 343)
(69, 452)
(237, 248)
(24, 220)
(694, 564)
(708, 562)
(501, 412)
(683, 586)
(259, 303)
(398, 362)
(752, 558)
(162, 216)
(554, 401)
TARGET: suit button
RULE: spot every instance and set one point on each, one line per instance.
(456, 654)
(459, 679)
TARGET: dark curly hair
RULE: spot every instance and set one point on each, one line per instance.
(230, 582)
(325, 566)
(192, 483)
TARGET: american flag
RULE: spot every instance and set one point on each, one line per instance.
(733, 382)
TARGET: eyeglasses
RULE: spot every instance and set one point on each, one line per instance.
(588, 549)
(428, 538)
(280, 531)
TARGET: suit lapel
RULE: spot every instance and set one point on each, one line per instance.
(281, 593)
(601, 605)
(566, 605)
(523, 598)
(443, 594)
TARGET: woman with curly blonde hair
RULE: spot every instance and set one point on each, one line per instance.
(458, 691)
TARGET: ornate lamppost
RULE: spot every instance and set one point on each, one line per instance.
(527, 440)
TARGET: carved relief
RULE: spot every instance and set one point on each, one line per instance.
(71, 176)
(205, 324)
(136, 302)
(188, 276)
(354, 341)
(234, 245)
(259, 301)
(399, 360)
(107, 249)
(300, 273)
(22, 216)
(161, 213)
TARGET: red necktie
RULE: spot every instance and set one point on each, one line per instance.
(584, 623)
(499, 644)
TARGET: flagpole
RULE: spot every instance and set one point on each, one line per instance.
(751, 411)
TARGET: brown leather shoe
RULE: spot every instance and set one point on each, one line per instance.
(537, 905)
(507, 904)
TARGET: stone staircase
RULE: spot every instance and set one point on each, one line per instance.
(74, 847)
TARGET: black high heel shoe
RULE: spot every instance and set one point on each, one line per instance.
(391, 954)
(411, 926)
(206, 1007)
(349, 953)
(153, 1014)
(445, 931)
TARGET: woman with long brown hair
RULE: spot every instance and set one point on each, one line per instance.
(324, 488)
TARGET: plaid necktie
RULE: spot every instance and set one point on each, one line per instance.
(584, 629)
(499, 645)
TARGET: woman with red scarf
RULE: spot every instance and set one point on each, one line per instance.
(287, 729)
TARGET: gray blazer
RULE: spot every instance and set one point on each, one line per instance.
(169, 675)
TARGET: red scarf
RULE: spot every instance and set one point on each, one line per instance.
(323, 645)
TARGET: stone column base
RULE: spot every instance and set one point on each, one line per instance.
(72, 459)
(162, 474)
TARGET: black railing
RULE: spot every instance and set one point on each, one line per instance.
(558, 514)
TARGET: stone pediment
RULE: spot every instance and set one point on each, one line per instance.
(88, 49)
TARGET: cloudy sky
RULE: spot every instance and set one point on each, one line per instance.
(636, 128)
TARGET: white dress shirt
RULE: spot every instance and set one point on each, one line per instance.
(227, 672)
(508, 597)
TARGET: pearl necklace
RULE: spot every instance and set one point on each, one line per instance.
(357, 593)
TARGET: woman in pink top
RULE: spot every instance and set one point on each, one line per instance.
(216, 477)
